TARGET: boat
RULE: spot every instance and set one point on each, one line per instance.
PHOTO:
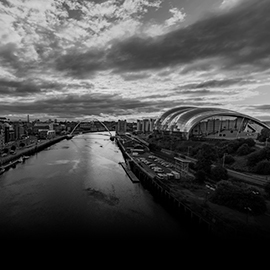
(25, 157)
(20, 159)
(69, 136)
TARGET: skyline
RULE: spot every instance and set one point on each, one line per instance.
(132, 59)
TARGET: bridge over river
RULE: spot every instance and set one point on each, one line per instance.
(69, 136)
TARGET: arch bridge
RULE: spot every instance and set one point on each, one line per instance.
(69, 136)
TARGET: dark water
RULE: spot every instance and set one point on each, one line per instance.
(77, 189)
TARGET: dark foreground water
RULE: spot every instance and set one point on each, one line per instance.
(77, 189)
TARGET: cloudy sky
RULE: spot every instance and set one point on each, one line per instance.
(129, 59)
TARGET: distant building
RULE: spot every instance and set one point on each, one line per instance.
(139, 126)
(6, 134)
(18, 130)
(2, 137)
(42, 126)
(145, 125)
(121, 127)
(182, 165)
(51, 134)
(213, 123)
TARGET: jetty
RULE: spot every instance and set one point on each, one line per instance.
(128, 171)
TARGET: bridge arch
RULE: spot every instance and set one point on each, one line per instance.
(92, 119)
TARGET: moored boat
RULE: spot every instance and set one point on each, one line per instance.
(69, 136)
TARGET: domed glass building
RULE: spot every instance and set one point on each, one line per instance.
(217, 123)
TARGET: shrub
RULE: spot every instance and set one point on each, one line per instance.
(243, 150)
(254, 158)
(239, 197)
(258, 156)
(219, 173)
(250, 142)
(263, 167)
(229, 159)
(208, 151)
(232, 147)
(265, 133)
(204, 164)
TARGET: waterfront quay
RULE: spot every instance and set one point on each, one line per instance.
(170, 188)
(12, 159)
(188, 199)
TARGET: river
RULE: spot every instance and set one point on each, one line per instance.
(77, 189)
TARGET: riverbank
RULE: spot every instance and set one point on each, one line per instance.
(190, 201)
(27, 151)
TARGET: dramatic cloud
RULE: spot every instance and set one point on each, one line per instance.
(87, 105)
(130, 57)
(237, 37)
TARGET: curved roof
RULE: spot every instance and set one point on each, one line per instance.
(184, 119)
(168, 113)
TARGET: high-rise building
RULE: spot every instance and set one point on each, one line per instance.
(28, 119)
(139, 126)
(121, 127)
(145, 125)
(152, 122)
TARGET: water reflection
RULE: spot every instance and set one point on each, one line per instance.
(77, 189)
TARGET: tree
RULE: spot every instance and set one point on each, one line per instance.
(263, 167)
(206, 155)
(239, 197)
(219, 173)
(243, 150)
(229, 159)
(254, 158)
(250, 142)
(208, 151)
(204, 164)
(233, 146)
(265, 133)
(258, 156)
